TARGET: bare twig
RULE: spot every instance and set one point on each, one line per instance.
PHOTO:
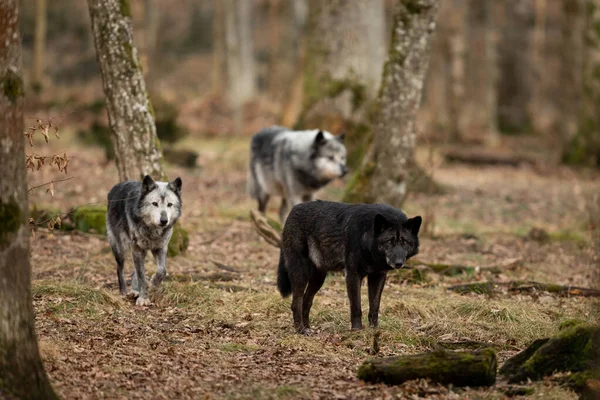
(48, 183)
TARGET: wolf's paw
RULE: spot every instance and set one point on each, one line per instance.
(142, 302)
(155, 281)
(133, 294)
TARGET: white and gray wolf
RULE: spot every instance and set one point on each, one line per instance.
(362, 240)
(140, 217)
(293, 165)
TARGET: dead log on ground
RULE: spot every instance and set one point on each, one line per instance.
(487, 157)
(269, 229)
(464, 368)
(524, 286)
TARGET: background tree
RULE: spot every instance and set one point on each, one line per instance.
(21, 372)
(342, 71)
(130, 113)
(389, 166)
(39, 44)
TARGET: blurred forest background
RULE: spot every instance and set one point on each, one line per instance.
(498, 69)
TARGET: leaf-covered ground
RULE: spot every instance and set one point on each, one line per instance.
(219, 329)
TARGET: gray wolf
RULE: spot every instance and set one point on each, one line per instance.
(293, 165)
(362, 240)
(140, 217)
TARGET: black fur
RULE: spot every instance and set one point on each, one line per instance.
(364, 240)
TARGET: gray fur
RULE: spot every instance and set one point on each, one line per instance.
(140, 217)
(293, 165)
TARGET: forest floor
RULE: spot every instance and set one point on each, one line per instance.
(218, 328)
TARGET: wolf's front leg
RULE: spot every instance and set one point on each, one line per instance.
(160, 255)
(139, 256)
(353, 281)
(376, 281)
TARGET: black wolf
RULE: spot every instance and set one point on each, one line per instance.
(141, 216)
(363, 240)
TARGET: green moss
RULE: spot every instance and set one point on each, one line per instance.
(90, 218)
(179, 241)
(12, 86)
(125, 8)
(569, 323)
(11, 219)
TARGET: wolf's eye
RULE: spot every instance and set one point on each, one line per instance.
(331, 158)
(155, 204)
(391, 242)
(169, 205)
(403, 241)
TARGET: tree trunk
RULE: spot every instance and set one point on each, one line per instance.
(389, 166)
(239, 44)
(582, 142)
(464, 368)
(218, 48)
(39, 45)
(130, 112)
(515, 69)
(151, 22)
(480, 88)
(344, 56)
(21, 372)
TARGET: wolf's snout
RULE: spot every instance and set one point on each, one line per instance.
(344, 170)
(398, 265)
(164, 221)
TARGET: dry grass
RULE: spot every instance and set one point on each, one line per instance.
(228, 334)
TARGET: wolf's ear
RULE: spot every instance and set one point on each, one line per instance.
(380, 224)
(148, 184)
(175, 185)
(320, 139)
(414, 224)
(341, 137)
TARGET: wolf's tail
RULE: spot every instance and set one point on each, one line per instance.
(283, 279)
(251, 184)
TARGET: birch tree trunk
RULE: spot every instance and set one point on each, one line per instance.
(21, 372)
(344, 59)
(389, 166)
(130, 112)
(39, 45)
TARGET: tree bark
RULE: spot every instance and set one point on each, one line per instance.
(39, 44)
(464, 368)
(389, 167)
(344, 56)
(218, 48)
(130, 112)
(21, 372)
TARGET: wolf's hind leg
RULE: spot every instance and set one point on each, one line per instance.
(263, 200)
(314, 284)
(298, 267)
(160, 255)
(120, 259)
(283, 211)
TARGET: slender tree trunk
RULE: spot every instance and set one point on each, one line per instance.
(21, 372)
(481, 88)
(456, 56)
(130, 113)
(275, 33)
(582, 142)
(218, 48)
(515, 64)
(241, 70)
(39, 44)
(389, 166)
(345, 54)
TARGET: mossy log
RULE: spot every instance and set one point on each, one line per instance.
(525, 286)
(465, 368)
(183, 158)
(179, 241)
(269, 229)
(573, 349)
(91, 218)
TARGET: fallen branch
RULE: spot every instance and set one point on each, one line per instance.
(525, 286)
(486, 157)
(266, 228)
(459, 368)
